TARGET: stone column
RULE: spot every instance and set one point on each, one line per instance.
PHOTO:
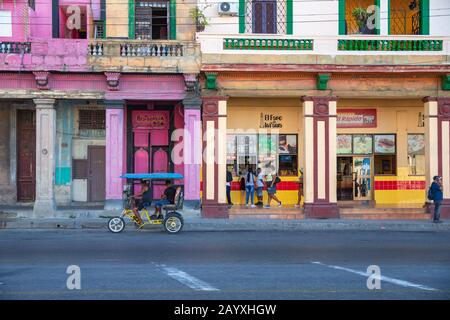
(437, 147)
(214, 200)
(114, 153)
(192, 148)
(44, 205)
(320, 157)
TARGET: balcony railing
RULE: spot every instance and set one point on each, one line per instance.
(136, 48)
(323, 45)
(15, 47)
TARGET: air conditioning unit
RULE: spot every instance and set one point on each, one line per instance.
(228, 8)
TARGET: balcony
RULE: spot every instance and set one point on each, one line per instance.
(339, 49)
(165, 56)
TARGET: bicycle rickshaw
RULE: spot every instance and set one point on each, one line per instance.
(171, 219)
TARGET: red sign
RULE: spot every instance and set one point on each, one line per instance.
(357, 118)
(151, 119)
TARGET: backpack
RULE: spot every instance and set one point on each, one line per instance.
(430, 194)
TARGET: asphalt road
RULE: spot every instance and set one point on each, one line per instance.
(151, 264)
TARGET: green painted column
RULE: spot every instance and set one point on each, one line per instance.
(241, 16)
(425, 17)
(131, 20)
(342, 17)
(173, 20)
(377, 16)
(289, 17)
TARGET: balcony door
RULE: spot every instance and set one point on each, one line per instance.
(264, 16)
(151, 19)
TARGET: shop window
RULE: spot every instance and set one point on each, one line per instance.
(92, 120)
(73, 22)
(385, 154)
(151, 19)
(270, 152)
(416, 154)
(266, 16)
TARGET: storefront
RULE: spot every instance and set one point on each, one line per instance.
(381, 152)
(265, 134)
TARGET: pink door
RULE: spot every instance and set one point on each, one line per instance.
(160, 164)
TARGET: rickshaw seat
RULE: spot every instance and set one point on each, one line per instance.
(178, 201)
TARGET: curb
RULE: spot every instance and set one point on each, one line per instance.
(199, 224)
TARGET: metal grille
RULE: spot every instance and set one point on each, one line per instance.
(92, 120)
(398, 22)
(144, 14)
(98, 29)
(279, 21)
(416, 23)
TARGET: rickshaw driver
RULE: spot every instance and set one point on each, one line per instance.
(167, 198)
(144, 198)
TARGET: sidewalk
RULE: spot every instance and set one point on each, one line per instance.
(199, 224)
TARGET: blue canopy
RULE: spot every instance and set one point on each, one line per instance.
(159, 175)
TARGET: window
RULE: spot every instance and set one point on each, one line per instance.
(357, 17)
(416, 154)
(269, 152)
(5, 23)
(98, 29)
(92, 120)
(405, 17)
(72, 22)
(385, 154)
(267, 16)
(151, 19)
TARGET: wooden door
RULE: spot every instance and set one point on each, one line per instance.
(160, 163)
(96, 173)
(264, 16)
(26, 155)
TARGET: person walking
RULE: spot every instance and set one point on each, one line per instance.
(272, 189)
(437, 196)
(250, 187)
(259, 186)
(229, 180)
(300, 188)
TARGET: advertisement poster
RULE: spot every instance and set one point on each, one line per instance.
(267, 144)
(416, 144)
(362, 144)
(356, 118)
(344, 144)
(287, 144)
(385, 143)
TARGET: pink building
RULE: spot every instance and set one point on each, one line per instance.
(81, 103)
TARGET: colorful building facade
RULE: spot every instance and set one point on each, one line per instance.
(360, 106)
(89, 91)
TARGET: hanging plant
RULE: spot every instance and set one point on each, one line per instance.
(360, 14)
(201, 21)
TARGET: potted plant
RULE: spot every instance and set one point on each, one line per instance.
(200, 19)
(360, 14)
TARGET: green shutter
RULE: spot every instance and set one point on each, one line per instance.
(173, 20)
(377, 16)
(131, 19)
(289, 17)
(342, 17)
(241, 16)
(389, 16)
(425, 17)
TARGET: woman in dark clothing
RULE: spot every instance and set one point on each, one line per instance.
(437, 192)
(144, 199)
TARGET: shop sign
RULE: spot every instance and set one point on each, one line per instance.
(151, 119)
(357, 118)
(269, 120)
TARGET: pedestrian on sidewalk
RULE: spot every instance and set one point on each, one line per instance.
(250, 181)
(300, 188)
(259, 186)
(437, 196)
(229, 180)
(272, 182)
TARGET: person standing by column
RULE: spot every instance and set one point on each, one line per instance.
(300, 188)
(437, 195)
(229, 180)
(250, 187)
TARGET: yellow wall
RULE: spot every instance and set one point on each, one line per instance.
(117, 19)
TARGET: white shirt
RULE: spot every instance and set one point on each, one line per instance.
(260, 182)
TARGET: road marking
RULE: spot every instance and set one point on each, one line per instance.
(402, 283)
(186, 279)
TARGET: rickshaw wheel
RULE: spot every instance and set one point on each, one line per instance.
(116, 224)
(173, 222)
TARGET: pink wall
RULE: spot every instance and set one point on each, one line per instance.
(19, 10)
(41, 19)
